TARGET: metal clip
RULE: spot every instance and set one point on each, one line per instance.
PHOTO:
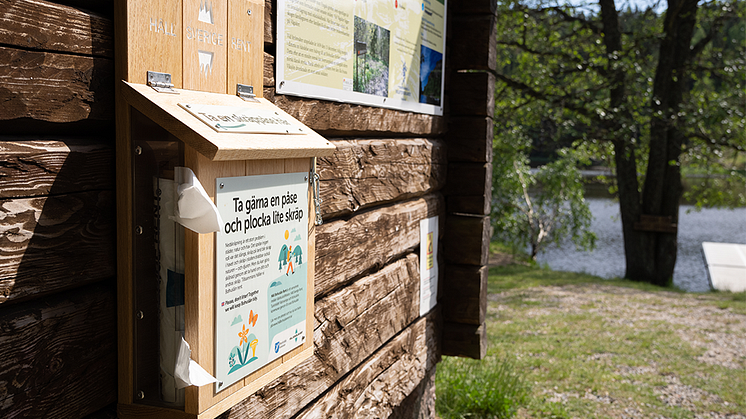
(245, 92)
(314, 179)
(161, 82)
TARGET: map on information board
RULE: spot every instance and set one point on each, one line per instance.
(387, 53)
(261, 272)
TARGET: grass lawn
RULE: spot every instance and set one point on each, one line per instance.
(566, 345)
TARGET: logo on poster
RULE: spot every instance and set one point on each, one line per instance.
(430, 259)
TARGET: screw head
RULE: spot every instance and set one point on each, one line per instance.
(248, 12)
(138, 150)
(140, 315)
(140, 394)
(138, 230)
(222, 185)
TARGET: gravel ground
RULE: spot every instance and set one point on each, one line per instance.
(719, 331)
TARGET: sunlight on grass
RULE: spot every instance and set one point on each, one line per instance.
(478, 389)
(565, 345)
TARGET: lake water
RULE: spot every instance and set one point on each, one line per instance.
(607, 260)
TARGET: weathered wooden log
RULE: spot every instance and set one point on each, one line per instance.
(420, 403)
(464, 294)
(39, 167)
(42, 25)
(269, 22)
(362, 173)
(269, 70)
(345, 119)
(479, 33)
(465, 340)
(469, 139)
(338, 336)
(55, 87)
(346, 249)
(383, 380)
(58, 357)
(103, 7)
(469, 188)
(474, 204)
(472, 94)
(385, 302)
(473, 7)
(469, 179)
(56, 242)
(466, 240)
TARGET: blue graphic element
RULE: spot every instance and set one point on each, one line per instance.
(277, 347)
(275, 284)
(237, 320)
(174, 289)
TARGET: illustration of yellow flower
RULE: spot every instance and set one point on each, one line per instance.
(243, 335)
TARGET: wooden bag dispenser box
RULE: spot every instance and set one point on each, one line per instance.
(216, 198)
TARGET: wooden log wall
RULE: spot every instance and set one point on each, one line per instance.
(375, 356)
(470, 88)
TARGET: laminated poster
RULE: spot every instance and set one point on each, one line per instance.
(261, 278)
(387, 53)
(428, 264)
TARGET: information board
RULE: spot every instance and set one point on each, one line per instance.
(387, 53)
(261, 272)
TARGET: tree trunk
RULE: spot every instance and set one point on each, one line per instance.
(662, 189)
(651, 256)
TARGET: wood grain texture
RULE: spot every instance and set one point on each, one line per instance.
(475, 94)
(469, 139)
(268, 78)
(269, 18)
(362, 173)
(466, 240)
(479, 33)
(465, 340)
(58, 356)
(245, 45)
(464, 294)
(55, 87)
(420, 404)
(384, 380)
(473, 7)
(359, 318)
(47, 26)
(469, 179)
(56, 242)
(378, 295)
(103, 7)
(473, 204)
(346, 249)
(165, 110)
(38, 167)
(344, 119)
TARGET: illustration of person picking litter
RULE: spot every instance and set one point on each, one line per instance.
(290, 261)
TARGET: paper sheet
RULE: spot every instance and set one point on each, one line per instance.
(187, 371)
(194, 208)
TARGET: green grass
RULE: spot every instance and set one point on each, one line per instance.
(549, 363)
(479, 389)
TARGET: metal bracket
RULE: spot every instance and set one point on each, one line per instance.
(245, 92)
(161, 82)
(314, 179)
